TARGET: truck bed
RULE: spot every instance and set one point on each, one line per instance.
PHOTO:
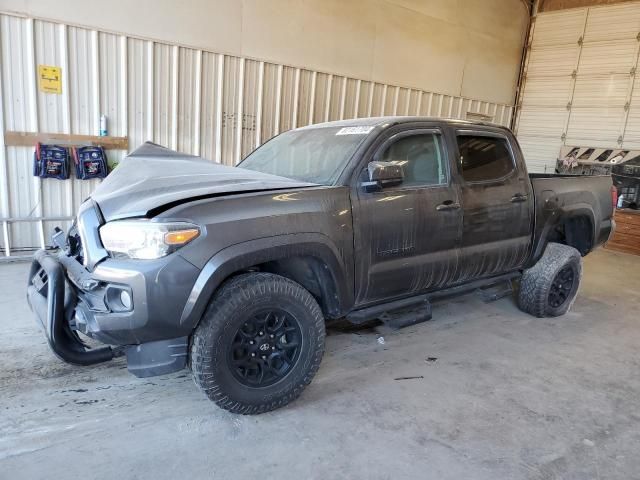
(572, 196)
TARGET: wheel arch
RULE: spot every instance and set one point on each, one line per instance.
(311, 260)
(574, 226)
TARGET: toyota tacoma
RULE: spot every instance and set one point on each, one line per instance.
(178, 262)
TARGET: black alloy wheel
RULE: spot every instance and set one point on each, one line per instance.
(561, 287)
(265, 348)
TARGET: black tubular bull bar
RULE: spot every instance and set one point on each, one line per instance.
(46, 294)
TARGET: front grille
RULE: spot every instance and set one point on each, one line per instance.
(89, 221)
(74, 242)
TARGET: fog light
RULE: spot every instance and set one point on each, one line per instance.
(125, 299)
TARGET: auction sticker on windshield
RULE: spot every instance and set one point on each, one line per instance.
(354, 130)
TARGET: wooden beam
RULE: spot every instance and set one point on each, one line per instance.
(29, 139)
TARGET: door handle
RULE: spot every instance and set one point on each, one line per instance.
(448, 205)
(519, 197)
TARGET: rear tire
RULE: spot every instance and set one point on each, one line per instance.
(549, 288)
(259, 343)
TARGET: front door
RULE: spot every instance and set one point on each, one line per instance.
(497, 202)
(406, 235)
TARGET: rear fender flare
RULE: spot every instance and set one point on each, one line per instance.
(244, 255)
(564, 213)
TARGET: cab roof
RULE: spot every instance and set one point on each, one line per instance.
(394, 120)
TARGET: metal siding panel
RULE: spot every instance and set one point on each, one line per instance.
(270, 101)
(558, 28)
(604, 58)
(140, 92)
(542, 122)
(614, 22)
(198, 102)
(250, 107)
(602, 91)
(162, 92)
(229, 107)
(208, 105)
(540, 153)
(304, 98)
(595, 126)
(546, 92)
(188, 101)
(556, 61)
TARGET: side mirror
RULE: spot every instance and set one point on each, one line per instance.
(383, 174)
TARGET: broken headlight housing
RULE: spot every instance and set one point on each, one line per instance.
(145, 240)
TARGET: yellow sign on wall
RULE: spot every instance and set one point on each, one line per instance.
(50, 79)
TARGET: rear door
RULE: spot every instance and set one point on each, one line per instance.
(497, 204)
(406, 235)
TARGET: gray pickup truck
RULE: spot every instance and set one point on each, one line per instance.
(175, 261)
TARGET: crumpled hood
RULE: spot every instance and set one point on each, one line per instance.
(152, 177)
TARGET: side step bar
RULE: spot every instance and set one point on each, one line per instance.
(412, 310)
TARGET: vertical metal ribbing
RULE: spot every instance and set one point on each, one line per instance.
(327, 106)
(197, 114)
(124, 89)
(175, 81)
(66, 104)
(95, 81)
(33, 119)
(356, 103)
(396, 96)
(372, 87)
(4, 175)
(384, 100)
(258, 139)
(312, 95)
(429, 103)
(150, 78)
(440, 102)
(296, 99)
(219, 93)
(278, 100)
(343, 97)
(406, 110)
(419, 102)
(239, 114)
(460, 104)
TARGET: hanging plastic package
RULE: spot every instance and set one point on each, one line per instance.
(51, 161)
(90, 162)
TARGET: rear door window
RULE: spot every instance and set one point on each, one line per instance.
(484, 158)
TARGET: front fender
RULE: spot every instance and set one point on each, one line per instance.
(244, 255)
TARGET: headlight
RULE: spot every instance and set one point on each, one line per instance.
(143, 239)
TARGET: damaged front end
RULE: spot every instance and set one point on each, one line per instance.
(56, 279)
(53, 300)
(131, 306)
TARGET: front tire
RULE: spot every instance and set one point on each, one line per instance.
(259, 343)
(549, 288)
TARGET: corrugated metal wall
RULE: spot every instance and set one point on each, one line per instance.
(580, 85)
(218, 106)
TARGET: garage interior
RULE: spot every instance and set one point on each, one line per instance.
(482, 390)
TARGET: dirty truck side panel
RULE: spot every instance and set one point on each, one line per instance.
(406, 243)
(241, 231)
(498, 213)
(559, 198)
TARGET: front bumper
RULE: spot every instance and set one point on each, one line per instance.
(68, 299)
(50, 298)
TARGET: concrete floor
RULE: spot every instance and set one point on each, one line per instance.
(509, 396)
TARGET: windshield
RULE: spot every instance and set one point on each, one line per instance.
(314, 155)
